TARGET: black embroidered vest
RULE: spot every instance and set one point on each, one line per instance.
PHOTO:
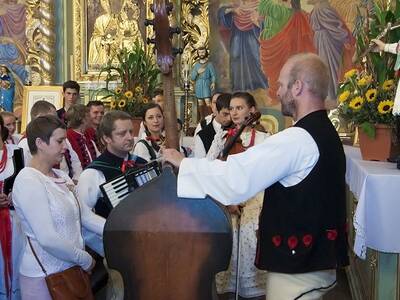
(302, 228)
(110, 165)
(207, 135)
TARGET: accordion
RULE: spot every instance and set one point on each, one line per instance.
(121, 186)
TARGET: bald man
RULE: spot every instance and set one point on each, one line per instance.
(302, 234)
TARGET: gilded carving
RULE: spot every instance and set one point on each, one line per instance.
(40, 41)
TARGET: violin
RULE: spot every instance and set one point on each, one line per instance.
(233, 144)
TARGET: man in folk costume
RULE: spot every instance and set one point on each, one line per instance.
(81, 142)
(302, 226)
(71, 91)
(96, 113)
(222, 119)
(11, 237)
(208, 119)
(116, 132)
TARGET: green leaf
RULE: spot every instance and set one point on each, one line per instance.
(369, 129)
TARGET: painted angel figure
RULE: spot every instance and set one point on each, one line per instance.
(7, 89)
(395, 49)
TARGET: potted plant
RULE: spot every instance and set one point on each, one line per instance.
(136, 76)
(366, 95)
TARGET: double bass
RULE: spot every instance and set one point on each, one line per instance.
(166, 247)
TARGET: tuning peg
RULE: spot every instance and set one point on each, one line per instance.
(176, 51)
(148, 22)
(150, 41)
(173, 30)
(169, 6)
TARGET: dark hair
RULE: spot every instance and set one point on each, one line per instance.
(179, 121)
(250, 101)
(106, 126)
(223, 101)
(203, 48)
(41, 107)
(157, 92)
(42, 127)
(70, 84)
(4, 130)
(94, 103)
(75, 115)
(148, 107)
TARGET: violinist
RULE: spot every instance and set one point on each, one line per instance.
(244, 216)
(148, 147)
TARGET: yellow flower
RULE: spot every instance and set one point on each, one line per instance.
(118, 90)
(138, 90)
(371, 95)
(121, 103)
(356, 103)
(362, 82)
(350, 73)
(129, 94)
(145, 100)
(388, 85)
(385, 106)
(113, 104)
(344, 96)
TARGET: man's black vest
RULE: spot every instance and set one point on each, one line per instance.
(207, 135)
(303, 227)
(110, 165)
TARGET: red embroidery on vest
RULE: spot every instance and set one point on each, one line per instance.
(307, 240)
(331, 234)
(277, 240)
(292, 242)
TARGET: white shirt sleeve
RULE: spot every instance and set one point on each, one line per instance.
(289, 155)
(88, 188)
(141, 150)
(23, 144)
(391, 48)
(199, 150)
(37, 214)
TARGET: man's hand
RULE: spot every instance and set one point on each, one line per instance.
(4, 200)
(172, 156)
(379, 43)
(91, 266)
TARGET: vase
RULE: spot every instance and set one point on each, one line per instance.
(136, 121)
(381, 147)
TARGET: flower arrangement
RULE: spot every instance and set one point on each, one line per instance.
(136, 75)
(364, 101)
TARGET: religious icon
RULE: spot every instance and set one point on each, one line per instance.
(7, 89)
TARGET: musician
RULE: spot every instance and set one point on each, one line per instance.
(70, 163)
(12, 240)
(82, 143)
(251, 280)
(302, 234)
(71, 91)
(116, 132)
(96, 113)
(148, 147)
(204, 139)
(10, 123)
(207, 120)
(157, 98)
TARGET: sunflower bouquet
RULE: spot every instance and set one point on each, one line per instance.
(136, 78)
(365, 101)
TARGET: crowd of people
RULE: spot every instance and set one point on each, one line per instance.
(56, 207)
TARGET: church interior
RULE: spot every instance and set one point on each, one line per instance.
(199, 149)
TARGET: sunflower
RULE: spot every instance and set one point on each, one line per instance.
(113, 104)
(344, 96)
(129, 94)
(121, 103)
(350, 73)
(118, 90)
(138, 90)
(388, 85)
(362, 82)
(145, 100)
(371, 95)
(385, 106)
(356, 103)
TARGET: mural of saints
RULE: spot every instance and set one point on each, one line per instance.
(244, 26)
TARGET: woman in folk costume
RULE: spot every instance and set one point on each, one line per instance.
(251, 280)
(395, 49)
(148, 147)
(11, 237)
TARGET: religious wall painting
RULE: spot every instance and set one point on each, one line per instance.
(13, 47)
(256, 37)
(102, 28)
(32, 94)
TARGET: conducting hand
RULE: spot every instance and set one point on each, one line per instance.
(172, 156)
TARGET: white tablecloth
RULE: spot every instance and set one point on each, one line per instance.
(376, 185)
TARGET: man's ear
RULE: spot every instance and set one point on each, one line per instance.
(107, 140)
(297, 87)
(252, 109)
